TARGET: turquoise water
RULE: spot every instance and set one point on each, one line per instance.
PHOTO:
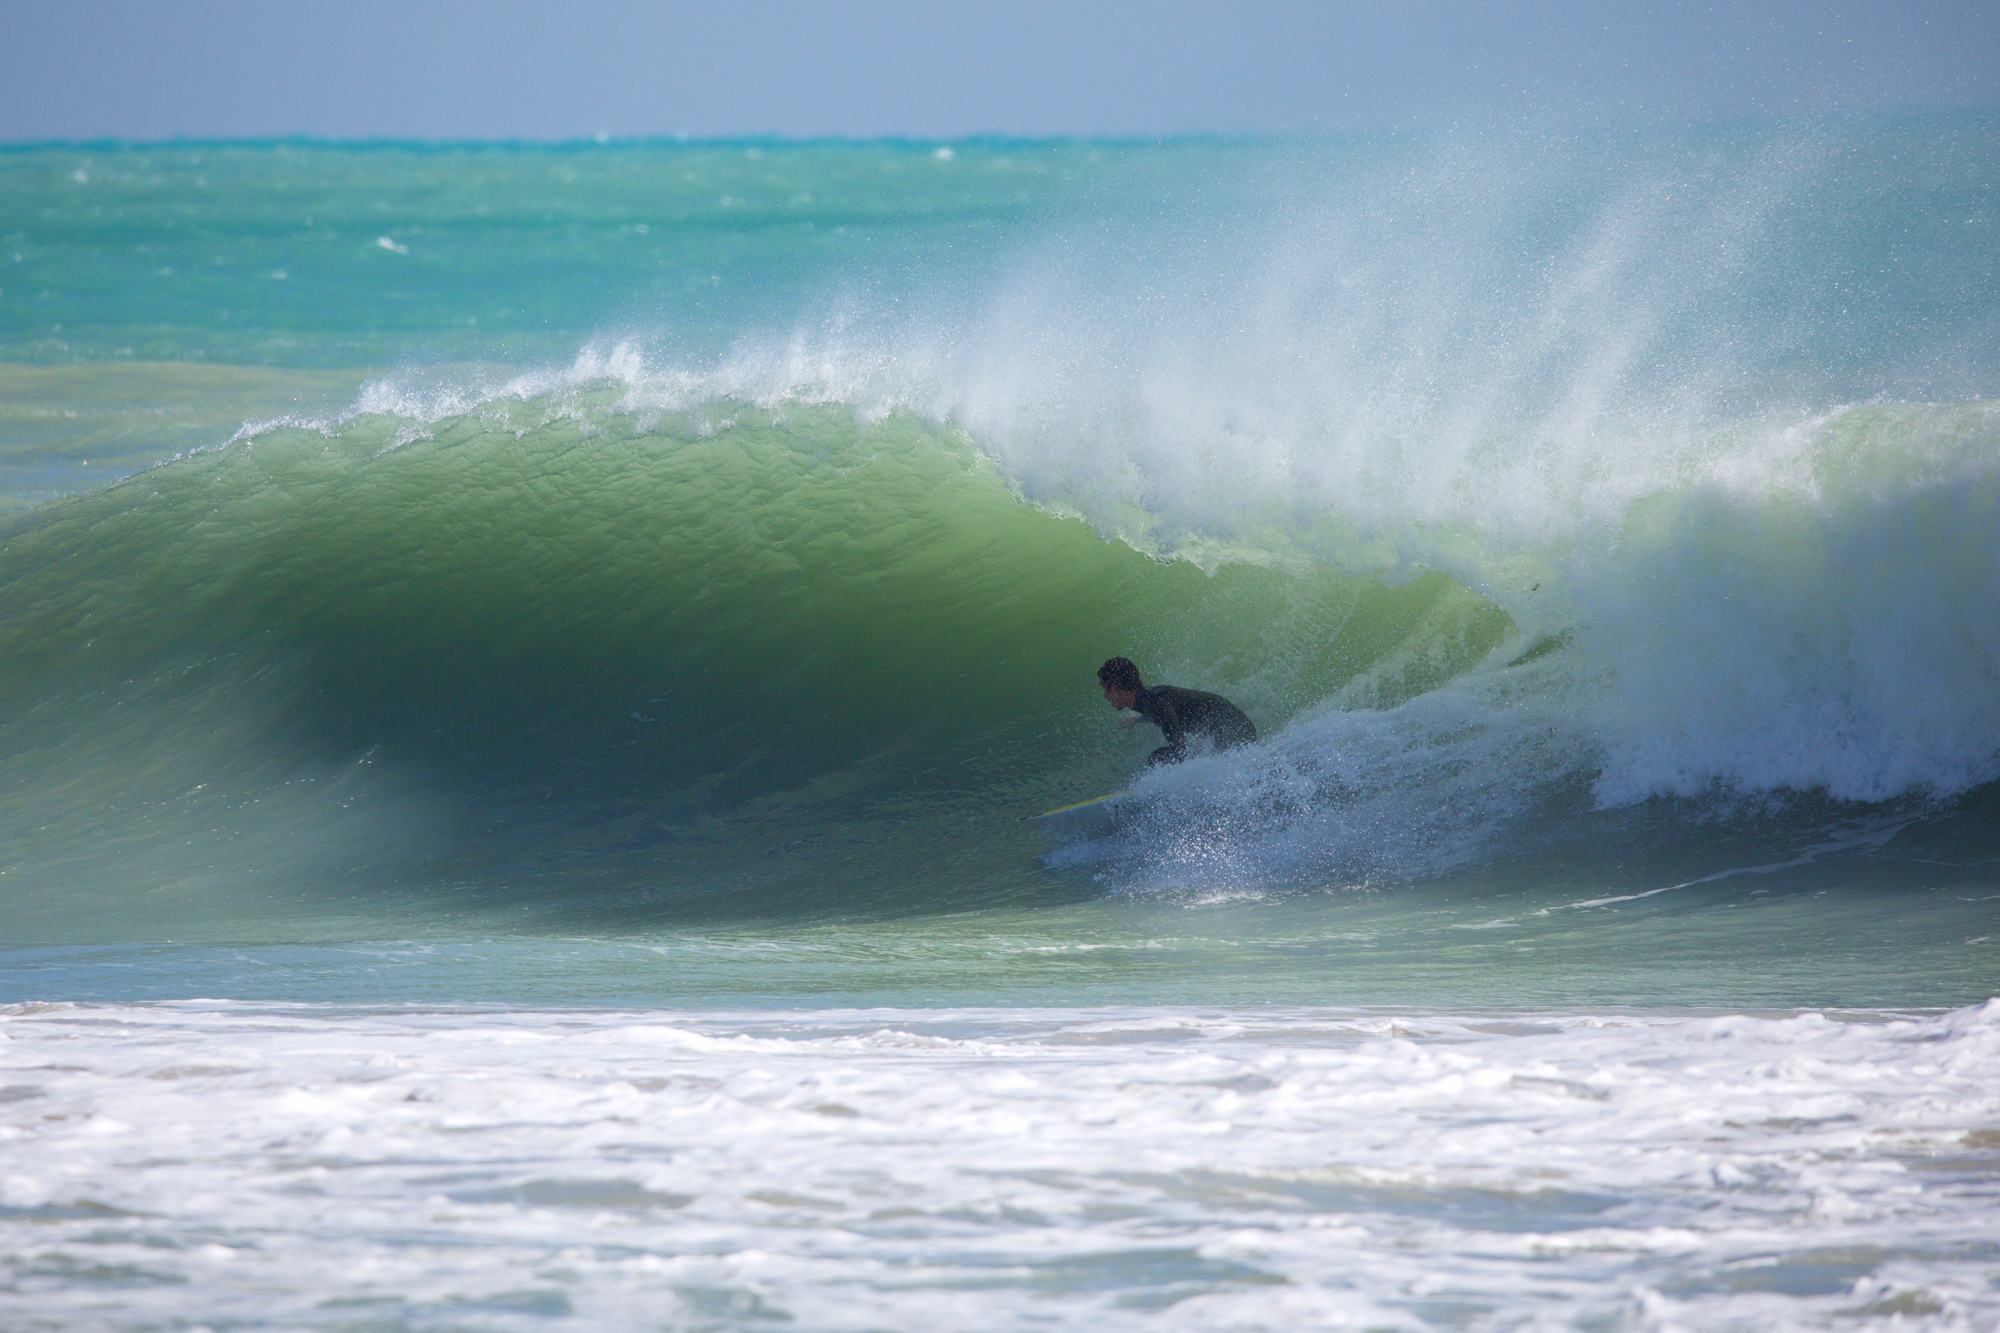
(453, 596)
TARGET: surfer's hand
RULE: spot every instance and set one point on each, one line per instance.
(1127, 722)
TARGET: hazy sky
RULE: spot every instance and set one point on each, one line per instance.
(149, 69)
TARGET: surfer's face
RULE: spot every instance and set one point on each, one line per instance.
(1118, 698)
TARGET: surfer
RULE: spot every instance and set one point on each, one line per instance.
(1177, 712)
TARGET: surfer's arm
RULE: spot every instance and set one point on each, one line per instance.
(1160, 712)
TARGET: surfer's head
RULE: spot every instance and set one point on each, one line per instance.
(1120, 680)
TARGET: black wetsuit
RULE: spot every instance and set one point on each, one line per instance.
(1183, 713)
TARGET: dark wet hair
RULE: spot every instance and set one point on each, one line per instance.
(1119, 674)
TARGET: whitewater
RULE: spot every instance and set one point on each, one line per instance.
(522, 667)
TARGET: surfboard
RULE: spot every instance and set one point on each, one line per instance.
(1085, 819)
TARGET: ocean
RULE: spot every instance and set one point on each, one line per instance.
(522, 668)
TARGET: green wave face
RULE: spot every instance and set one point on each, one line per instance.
(722, 661)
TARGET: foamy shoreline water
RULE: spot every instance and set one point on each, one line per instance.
(223, 1165)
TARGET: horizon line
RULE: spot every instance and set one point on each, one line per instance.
(120, 143)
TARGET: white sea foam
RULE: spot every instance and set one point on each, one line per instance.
(211, 1163)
